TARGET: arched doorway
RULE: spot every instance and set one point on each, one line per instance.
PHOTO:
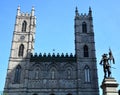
(69, 94)
(35, 94)
(52, 94)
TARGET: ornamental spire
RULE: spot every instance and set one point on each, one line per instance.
(90, 12)
(32, 11)
(76, 12)
(18, 10)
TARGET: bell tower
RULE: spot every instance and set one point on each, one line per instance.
(23, 36)
(21, 48)
(85, 53)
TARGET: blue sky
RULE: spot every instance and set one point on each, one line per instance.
(55, 28)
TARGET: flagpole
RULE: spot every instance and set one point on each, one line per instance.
(111, 58)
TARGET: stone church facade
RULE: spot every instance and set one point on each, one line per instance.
(50, 74)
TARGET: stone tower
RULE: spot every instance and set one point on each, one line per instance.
(22, 47)
(50, 74)
(85, 54)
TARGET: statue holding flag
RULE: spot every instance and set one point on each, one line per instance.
(106, 62)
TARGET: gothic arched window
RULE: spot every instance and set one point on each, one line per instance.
(84, 27)
(24, 26)
(53, 73)
(68, 72)
(21, 50)
(86, 51)
(37, 73)
(87, 74)
(17, 74)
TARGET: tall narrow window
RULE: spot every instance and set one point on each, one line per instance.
(36, 73)
(68, 73)
(53, 72)
(24, 26)
(17, 74)
(84, 27)
(86, 52)
(21, 50)
(87, 74)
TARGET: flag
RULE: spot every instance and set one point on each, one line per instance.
(111, 56)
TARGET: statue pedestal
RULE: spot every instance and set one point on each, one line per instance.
(109, 86)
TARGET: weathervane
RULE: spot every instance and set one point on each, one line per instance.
(106, 62)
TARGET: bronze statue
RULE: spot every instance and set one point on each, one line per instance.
(107, 64)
